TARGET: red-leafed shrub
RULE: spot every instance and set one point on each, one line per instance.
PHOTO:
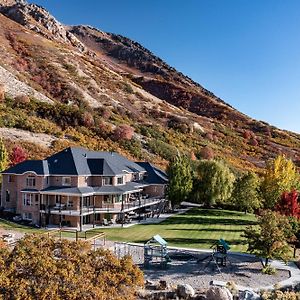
(123, 132)
(289, 205)
(247, 134)
(88, 119)
(17, 155)
(209, 136)
(207, 153)
(253, 142)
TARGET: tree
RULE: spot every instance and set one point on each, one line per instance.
(288, 204)
(180, 179)
(18, 155)
(44, 268)
(245, 194)
(3, 156)
(280, 176)
(269, 239)
(213, 183)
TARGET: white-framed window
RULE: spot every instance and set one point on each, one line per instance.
(27, 199)
(120, 180)
(118, 198)
(30, 181)
(107, 181)
(70, 203)
(66, 181)
(27, 216)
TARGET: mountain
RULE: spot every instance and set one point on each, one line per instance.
(66, 85)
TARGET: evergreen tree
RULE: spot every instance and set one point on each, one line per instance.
(245, 194)
(180, 179)
(4, 162)
(280, 176)
(213, 183)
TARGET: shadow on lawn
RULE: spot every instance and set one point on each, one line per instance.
(205, 221)
(213, 212)
(207, 229)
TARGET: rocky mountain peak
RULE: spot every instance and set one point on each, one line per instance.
(38, 19)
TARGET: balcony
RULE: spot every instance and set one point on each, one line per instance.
(61, 209)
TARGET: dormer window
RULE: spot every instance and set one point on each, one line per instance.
(30, 181)
(120, 180)
(107, 181)
(66, 181)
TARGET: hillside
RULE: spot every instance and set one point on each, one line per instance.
(83, 84)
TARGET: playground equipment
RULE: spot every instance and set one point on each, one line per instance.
(156, 252)
(219, 254)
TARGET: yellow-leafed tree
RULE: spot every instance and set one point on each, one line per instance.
(280, 176)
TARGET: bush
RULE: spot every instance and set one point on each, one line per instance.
(268, 270)
(88, 119)
(123, 132)
(22, 99)
(206, 153)
(162, 149)
(2, 92)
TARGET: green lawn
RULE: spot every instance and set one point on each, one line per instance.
(7, 225)
(197, 228)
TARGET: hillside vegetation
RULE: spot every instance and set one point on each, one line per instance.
(82, 86)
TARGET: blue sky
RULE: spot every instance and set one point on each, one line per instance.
(246, 52)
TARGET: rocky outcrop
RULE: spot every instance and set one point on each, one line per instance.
(14, 87)
(36, 18)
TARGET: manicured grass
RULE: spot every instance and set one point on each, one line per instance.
(197, 228)
(7, 225)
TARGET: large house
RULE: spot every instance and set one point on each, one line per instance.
(77, 186)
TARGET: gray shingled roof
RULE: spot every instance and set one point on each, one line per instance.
(40, 167)
(154, 175)
(78, 161)
(80, 191)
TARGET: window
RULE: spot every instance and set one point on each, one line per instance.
(7, 196)
(70, 203)
(107, 181)
(30, 181)
(27, 199)
(97, 217)
(118, 198)
(11, 178)
(108, 198)
(27, 216)
(66, 181)
(47, 180)
(120, 180)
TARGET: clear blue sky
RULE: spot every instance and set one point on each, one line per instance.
(247, 52)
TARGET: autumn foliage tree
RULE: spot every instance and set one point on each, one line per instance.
(270, 238)
(17, 155)
(280, 176)
(4, 162)
(288, 204)
(44, 268)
